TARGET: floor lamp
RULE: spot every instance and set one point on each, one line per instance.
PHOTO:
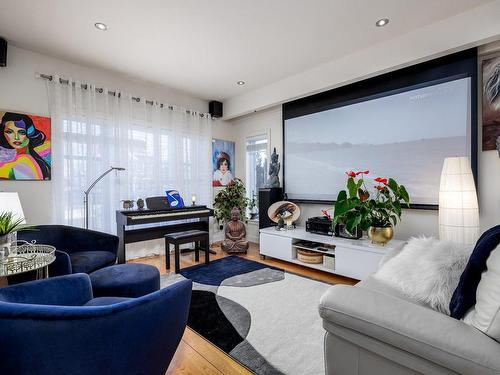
(87, 192)
(458, 207)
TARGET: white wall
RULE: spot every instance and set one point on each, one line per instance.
(414, 222)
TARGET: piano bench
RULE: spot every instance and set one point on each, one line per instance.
(200, 239)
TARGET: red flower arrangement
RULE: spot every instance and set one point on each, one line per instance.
(354, 174)
(326, 214)
(354, 207)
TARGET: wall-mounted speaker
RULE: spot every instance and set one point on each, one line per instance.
(268, 196)
(3, 52)
(215, 109)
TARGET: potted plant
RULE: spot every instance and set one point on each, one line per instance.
(233, 195)
(9, 224)
(357, 209)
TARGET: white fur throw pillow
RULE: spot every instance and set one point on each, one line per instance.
(426, 270)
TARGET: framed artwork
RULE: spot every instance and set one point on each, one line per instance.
(491, 102)
(25, 150)
(222, 162)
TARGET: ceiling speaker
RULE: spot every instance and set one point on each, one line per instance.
(3, 52)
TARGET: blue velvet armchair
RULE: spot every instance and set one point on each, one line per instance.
(55, 327)
(88, 250)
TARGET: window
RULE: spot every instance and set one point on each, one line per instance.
(256, 162)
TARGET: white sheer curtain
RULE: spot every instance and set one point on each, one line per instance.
(162, 147)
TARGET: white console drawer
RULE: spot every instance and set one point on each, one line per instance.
(356, 263)
(276, 246)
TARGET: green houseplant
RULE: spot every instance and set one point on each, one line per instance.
(233, 195)
(356, 207)
(9, 224)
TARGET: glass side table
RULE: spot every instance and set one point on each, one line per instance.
(25, 257)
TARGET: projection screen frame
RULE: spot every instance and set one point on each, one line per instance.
(459, 65)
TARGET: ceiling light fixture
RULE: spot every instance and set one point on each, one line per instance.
(382, 22)
(101, 26)
(240, 83)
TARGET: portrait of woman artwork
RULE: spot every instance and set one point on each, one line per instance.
(222, 160)
(25, 152)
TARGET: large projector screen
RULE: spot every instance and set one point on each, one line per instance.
(405, 135)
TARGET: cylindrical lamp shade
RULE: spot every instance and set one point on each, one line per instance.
(9, 202)
(458, 208)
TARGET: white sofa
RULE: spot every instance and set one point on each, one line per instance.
(373, 330)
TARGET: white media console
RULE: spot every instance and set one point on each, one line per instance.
(352, 258)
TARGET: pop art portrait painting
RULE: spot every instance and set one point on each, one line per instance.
(25, 149)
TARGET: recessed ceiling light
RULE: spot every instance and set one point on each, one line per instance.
(101, 26)
(241, 83)
(382, 22)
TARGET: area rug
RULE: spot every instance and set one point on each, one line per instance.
(265, 318)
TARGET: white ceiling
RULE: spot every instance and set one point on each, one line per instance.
(203, 47)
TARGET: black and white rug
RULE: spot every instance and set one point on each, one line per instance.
(265, 318)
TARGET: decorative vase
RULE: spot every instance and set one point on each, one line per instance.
(4, 245)
(380, 236)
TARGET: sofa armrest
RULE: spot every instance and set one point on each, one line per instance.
(61, 265)
(410, 327)
(69, 290)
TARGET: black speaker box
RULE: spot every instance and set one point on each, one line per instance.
(268, 196)
(3, 52)
(215, 109)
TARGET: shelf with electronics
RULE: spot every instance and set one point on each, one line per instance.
(352, 258)
(344, 252)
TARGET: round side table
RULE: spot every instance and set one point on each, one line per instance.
(28, 257)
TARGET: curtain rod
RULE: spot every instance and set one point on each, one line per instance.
(100, 90)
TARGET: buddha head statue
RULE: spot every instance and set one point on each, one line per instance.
(235, 214)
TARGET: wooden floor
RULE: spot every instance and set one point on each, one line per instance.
(195, 355)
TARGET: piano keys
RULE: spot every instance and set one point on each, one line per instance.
(142, 225)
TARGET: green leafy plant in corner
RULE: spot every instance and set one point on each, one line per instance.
(10, 223)
(355, 207)
(233, 195)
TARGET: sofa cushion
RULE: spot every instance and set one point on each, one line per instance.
(104, 301)
(464, 296)
(89, 261)
(426, 270)
(485, 315)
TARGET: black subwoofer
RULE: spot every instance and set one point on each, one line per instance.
(268, 196)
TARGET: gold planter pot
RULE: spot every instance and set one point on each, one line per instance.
(380, 236)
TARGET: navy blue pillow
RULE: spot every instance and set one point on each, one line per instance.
(464, 297)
